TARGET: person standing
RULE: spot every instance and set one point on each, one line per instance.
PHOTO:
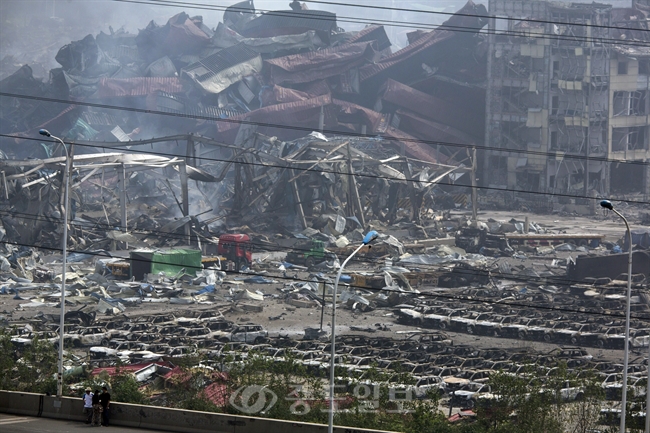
(105, 401)
(88, 405)
(97, 410)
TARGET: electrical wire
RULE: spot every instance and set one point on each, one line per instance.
(359, 260)
(470, 299)
(318, 170)
(405, 24)
(460, 14)
(299, 128)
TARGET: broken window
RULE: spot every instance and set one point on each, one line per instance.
(629, 139)
(644, 67)
(622, 68)
(630, 103)
(555, 103)
(553, 140)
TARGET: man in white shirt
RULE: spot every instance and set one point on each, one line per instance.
(88, 405)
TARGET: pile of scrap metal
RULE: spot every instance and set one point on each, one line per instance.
(296, 184)
(285, 72)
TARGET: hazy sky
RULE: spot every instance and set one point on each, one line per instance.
(33, 30)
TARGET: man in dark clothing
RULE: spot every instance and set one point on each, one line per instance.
(97, 410)
(105, 401)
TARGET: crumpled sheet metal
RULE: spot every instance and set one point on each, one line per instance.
(221, 80)
(458, 114)
(140, 86)
(316, 65)
(287, 113)
(225, 37)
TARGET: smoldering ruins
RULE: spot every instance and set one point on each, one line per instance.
(220, 173)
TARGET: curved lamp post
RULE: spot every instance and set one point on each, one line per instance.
(371, 236)
(66, 174)
(626, 355)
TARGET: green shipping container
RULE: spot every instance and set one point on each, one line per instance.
(170, 262)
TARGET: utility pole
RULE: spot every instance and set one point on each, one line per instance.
(474, 190)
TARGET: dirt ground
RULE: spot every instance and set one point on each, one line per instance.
(294, 320)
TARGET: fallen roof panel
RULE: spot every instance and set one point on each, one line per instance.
(140, 86)
(377, 123)
(220, 70)
(316, 65)
(460, 115)
(372, 33)
(289, 22)
(430, 130)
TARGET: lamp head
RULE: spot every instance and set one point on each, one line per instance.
(371, 236)
(607, 204)
(44, 132)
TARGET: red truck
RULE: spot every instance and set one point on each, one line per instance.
(236, 250)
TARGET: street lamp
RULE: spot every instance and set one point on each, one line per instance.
(608, 205)
(371, 236)
(66, 173)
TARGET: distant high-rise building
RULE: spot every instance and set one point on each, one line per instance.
(568, 98)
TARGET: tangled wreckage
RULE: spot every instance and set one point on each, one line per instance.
(233, 109)
(282, 131)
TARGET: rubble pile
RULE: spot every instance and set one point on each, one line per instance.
(292, 138)
(238, 102)
(294, 71)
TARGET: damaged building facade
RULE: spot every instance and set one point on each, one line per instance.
(568, 104)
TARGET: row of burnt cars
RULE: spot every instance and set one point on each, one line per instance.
(429, 359)
(604, 331)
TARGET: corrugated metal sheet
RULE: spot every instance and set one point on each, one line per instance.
(422, 49)
(279, 95)
(430, 130)
(170, 103)
(217, 72)
(99, 118)
(373, 33)
(317, 65)
(298, 114)
(456, 114)
(141, 86)
(290, 22)
(210, 66)
(377, 123)
(420, 46)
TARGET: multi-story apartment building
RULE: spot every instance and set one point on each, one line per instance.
(568, 98)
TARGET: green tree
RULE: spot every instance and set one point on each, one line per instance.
(7, 361)
(36, 368)
(126, 389)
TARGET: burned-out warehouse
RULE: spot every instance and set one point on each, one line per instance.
(433, 199)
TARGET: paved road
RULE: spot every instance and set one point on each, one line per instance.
(26, 424)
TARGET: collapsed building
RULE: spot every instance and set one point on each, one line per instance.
(259, 83)
(293, 130)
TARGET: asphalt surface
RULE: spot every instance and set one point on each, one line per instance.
(26, 424)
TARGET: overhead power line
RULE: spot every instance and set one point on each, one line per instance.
(405, 24)
(460, 14)
(305, 129)
(344, 173)
(357, 259)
